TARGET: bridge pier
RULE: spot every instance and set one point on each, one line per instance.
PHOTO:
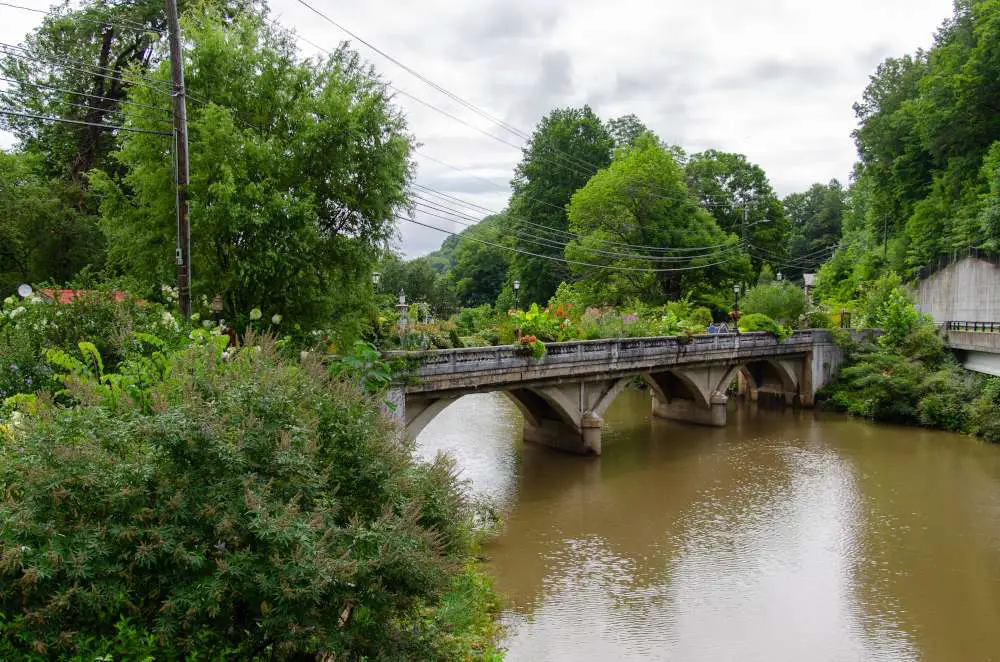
(690, 411)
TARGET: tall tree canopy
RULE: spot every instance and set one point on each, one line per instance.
(927, 124)
(567, 148)
(642, 200)
(297, 170)
(816, 218)
(739, 196)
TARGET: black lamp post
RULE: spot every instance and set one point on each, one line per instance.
(376, 277)
(517, 294)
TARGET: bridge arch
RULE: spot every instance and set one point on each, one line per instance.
(672, 384)
(763, 374)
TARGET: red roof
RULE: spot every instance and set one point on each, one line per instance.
(68, 296)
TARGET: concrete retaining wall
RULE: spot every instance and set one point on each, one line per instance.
(967, 291)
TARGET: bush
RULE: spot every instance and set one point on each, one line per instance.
(30, 326)
(819, 319)
(782, 301)
(701, 317)
(759, 322)
(260, 508)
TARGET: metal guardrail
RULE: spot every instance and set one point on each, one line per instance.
(976, 327)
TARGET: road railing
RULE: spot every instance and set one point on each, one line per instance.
(974, 327)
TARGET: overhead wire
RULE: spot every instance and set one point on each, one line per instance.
(549, 242)
(98, 97)
(117, 21)
(14, 113)
(607, 267)
(572, 162)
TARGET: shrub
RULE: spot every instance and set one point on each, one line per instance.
(819, 319)
(701, 317)
(260, 508)
(759, 322)
(29, 327)
(882, 386)
(782, 301)
(472, 320)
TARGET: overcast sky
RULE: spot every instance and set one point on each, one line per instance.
(773, 79)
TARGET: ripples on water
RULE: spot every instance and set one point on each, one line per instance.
(780, 537)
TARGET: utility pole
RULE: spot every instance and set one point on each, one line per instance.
(183, 254)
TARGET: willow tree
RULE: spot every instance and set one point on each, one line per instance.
(297, 170)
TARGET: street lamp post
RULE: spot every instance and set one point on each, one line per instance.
(376, 277)
(736, 310)
(517, 295)
(781, 276)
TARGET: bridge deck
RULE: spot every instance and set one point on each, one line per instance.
(474, 368)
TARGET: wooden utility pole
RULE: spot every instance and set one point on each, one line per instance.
(183, 255)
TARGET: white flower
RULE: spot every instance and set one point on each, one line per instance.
(255, 314)
(167, 320)
(9, 301)
(205, 323)
(17, 311)
(276, 319)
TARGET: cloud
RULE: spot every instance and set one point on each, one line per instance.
(772, 79)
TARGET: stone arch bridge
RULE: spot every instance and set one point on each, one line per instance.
(564, 395)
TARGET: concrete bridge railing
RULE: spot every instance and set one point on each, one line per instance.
(564, 395)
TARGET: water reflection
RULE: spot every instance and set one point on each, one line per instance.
(781, 537)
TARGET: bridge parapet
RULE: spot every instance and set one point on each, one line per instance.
(564, 394)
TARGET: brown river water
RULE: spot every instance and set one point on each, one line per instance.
(786, 536)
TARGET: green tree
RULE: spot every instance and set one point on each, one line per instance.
(567, 148)
(739, 196)
(419, 281)
(782, 301)
(80, 64)
(297, 170)
(480, 269)
(816, 219)
(626, 130)
(641, 199)
(42, 235)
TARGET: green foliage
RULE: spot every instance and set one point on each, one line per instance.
(567, 148)
(760, 322)
(298, 169)
(43, 234)
(780, 300)
(258, 509)
(547, 324)
(470, 320)
(419, 281)
(364, 366)
(118, 331)
(927, 126)
(741, 199)
(642, 199)
(531, 345)
(480, 269)
(816, 218)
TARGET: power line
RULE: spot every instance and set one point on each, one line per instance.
(558, 259)
(572, 163)
(552, 243)
(84, 94)
(109, 111)
(14, 113)
(85, 19)
(571, 235)
(27, 56)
